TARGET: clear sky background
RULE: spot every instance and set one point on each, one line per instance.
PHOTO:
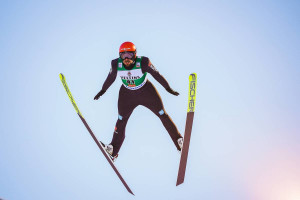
(246, 134)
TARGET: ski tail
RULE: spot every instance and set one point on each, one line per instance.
(188, 128)
(63, 80)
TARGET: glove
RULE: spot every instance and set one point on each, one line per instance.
(99, 94)
(172, 91)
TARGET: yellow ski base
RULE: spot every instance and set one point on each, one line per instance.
(63, 80)
(192, 92)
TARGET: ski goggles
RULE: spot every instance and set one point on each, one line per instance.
(127, 54)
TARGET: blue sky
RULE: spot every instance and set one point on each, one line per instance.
(245, 139)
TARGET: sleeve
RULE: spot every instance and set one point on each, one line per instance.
(147, 66)
(111, 76)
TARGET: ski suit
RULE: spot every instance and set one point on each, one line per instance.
(137, 90)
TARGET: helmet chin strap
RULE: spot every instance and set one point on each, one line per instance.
(130, 66)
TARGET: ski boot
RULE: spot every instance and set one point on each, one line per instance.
(180, 144)
(109, 150)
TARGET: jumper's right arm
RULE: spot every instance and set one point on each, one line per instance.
(109, 80)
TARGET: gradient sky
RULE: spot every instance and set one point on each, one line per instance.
(246, 134)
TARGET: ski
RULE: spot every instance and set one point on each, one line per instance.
(63, 80)
(188, 128)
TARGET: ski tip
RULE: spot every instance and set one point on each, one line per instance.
(193, 74)
(61, 76)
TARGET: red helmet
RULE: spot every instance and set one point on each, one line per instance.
(127, 46)
(127, 50)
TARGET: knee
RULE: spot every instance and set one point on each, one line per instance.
(122, 121)
(162, 114)
(122, 118)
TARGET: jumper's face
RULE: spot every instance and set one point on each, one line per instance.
(127, 61)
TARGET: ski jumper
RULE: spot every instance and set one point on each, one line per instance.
(137, 90)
